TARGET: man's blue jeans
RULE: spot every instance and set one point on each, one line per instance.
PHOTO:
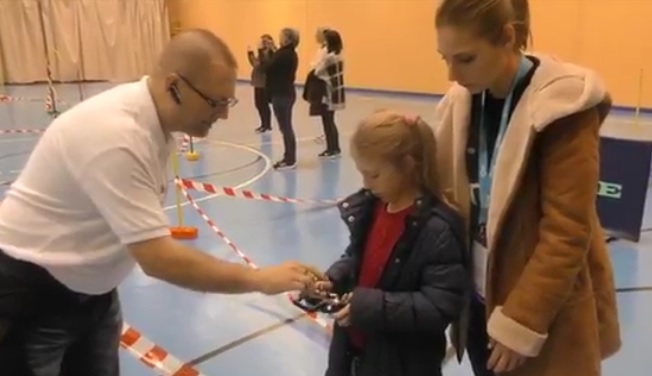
(48, 330)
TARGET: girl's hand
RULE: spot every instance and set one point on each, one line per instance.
(342, 316)
(503, 359)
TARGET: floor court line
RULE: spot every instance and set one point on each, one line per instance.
(260, 156)
(633, 289)
(300, 140)
(450, 351)
(260, 175)
(15, 154)
(230, 170)
(242, 340)
(218, 173)
(25, 139)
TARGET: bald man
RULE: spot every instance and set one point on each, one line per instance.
(88, 207)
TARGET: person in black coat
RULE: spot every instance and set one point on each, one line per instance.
(405, 274)
(280, 73)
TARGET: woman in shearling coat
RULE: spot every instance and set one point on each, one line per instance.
(519, 151)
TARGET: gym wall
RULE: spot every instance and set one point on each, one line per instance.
(390, 44)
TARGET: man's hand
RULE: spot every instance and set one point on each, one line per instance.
(289, 276)
(318, 290)
(166, 259)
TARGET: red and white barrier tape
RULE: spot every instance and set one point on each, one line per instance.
(7, 99)
(232, 192)
(157, 358)
(183, 144)
(10, 99)
(316, 318)
(154, 356)
(21, 131)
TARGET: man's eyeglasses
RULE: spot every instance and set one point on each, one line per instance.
(214, 103)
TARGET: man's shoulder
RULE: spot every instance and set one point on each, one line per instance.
(109, 129)
(109, 123)
(111, 118)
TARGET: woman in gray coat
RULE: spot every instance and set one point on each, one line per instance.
(265, 50)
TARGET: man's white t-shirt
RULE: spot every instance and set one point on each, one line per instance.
(94, 183)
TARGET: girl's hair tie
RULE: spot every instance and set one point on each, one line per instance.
(411, 119)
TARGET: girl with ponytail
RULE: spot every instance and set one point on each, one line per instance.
(404, 273)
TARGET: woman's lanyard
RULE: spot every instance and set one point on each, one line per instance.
(485, 166)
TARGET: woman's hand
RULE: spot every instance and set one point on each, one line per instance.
(503, 359)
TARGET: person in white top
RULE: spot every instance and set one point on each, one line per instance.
(88, 207)
(320, 54)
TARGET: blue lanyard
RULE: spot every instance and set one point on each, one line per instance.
(486, 167)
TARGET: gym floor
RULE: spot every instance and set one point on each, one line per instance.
(254, 334)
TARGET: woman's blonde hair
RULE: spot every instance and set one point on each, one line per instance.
(393, 137)
(487, 18)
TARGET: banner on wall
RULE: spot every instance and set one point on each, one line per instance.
(622, 191)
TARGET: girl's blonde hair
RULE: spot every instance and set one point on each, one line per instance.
(393, 137)
(488, 18)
